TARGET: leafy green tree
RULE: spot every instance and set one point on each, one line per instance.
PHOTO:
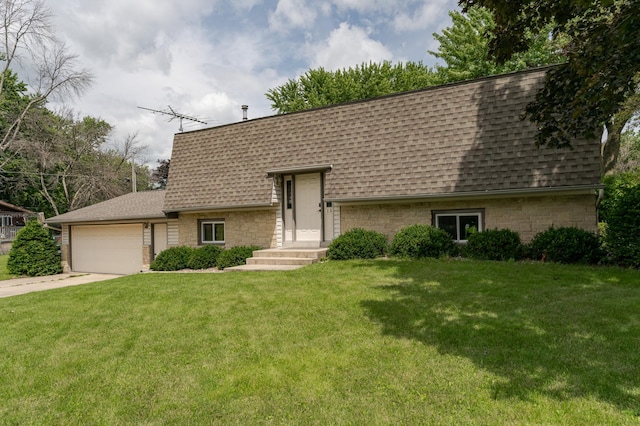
(319, 87)
(591, 88)
(33, 252)
(464, 48)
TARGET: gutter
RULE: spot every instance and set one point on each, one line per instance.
(220, 208)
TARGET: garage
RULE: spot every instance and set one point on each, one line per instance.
(110, 249)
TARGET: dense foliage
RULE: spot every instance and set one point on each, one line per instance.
(204, 257)
(33, 252)
(566, 245)
(420, 241)
(494, 244)
(623, 227)
(358, 243)
(235, 256)
(172, 259)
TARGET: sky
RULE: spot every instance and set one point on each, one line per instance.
(207, 58)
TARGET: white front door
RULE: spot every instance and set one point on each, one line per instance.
(159, 238)
(308, 208)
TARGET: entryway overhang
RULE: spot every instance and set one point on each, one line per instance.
(297, 170)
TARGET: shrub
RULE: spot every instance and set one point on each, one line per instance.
(33, 252)
(358, 243)
(494, 244)
(172, 259)
(204, 257)
(418, 241)
(566, 245)
(235, 256)
(623, 228)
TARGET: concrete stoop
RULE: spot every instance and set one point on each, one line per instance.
(281, 259)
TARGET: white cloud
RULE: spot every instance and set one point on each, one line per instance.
(291, 14)
(348, 46)
(429, 14)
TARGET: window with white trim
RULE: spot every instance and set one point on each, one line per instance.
(459, 224)
(211, 232)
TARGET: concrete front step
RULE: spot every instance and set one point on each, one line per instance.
(292, 252)
(282, 259)
(263, 268)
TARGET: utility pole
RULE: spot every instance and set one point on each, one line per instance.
(174, 115)
(134, 180)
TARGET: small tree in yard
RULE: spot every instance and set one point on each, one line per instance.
(34, 253)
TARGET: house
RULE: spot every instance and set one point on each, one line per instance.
(12, 219)
(456, 156)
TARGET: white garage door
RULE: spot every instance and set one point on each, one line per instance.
(111, 249)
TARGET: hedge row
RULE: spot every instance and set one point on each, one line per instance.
(563, 245)
(183, 257)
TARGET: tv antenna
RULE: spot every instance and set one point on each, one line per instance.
(174, 115)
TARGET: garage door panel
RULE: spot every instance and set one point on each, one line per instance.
(115, 249)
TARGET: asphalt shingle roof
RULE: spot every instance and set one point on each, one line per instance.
(131, 206)
(460, 138)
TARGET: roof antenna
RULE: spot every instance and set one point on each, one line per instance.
(174, 115)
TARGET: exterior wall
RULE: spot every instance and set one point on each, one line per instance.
(241, 228)
(64, 254)
(147, 254)
(525, 215)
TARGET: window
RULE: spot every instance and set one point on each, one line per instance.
(6, 221)
(211, 232)
(459, 224)
(289, 184)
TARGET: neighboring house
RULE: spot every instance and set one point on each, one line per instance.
(12, 219)
(120, 236)
(458, 157)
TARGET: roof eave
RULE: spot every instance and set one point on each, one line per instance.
(504, 193)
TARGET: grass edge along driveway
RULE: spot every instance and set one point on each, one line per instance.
(369, 342)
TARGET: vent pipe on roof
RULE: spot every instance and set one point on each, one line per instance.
(245, 108)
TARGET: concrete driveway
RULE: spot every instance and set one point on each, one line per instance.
(18, 286)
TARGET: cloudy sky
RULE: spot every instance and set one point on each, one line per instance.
(206, 58)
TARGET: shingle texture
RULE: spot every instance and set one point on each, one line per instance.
(458, 138)
(131, 206)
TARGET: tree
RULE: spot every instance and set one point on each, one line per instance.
(319, 87)
(27, 37)
(464, 47)
(590, 89)
(160, 175)
(33, 252)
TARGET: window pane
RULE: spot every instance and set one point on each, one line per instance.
(448, 224)
(219, 227)
(468, 225)
(207, 232)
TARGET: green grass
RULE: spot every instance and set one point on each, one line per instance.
(360, 342)
(4, 273)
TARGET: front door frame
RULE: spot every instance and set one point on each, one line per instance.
(289, 210)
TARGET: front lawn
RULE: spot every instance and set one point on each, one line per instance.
(359, 342)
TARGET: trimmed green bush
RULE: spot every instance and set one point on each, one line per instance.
(235, 256)
(494, 244)
(623, 228)
(172, 259)
(204, 257)
(566, 245)
(33, 252)
(419, 241)
(358, 243)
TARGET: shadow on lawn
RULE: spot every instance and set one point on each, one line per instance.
(556, 332)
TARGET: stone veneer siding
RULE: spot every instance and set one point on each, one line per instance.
(241, 228)
(525, 215)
